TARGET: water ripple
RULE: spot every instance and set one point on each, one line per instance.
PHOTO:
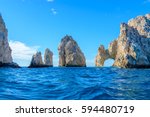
(74, 84)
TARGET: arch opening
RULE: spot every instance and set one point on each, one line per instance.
(109, 62)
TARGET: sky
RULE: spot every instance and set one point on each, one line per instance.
(34, 25)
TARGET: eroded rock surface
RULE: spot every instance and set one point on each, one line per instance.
(36, 61)
(70, 54)
(132, 47)
(102, 56)
(48, 57)
(5, 51)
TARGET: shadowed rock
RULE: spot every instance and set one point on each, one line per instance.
(37, 61)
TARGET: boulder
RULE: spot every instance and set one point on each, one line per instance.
(48, 58)
(132, 47)
(5, 51)
(70, 54)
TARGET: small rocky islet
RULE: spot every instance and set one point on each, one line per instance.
(130, 50)
(70, 54)
(37, 60)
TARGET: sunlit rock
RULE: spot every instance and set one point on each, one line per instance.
(70, 54)
(132, 47)
(48, 57)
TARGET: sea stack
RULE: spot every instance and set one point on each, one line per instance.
(48, 58)
(5, 50)
(132, 48)
(70, 54)
(36, 61)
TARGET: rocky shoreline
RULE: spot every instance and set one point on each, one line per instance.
(130, 50)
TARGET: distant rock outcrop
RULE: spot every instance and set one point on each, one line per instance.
(102, 56)
(37, 60)
(48, 57)
(132, 48)
(70, 54)
(106, 54)
(5, 51)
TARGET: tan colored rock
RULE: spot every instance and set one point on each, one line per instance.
(132, 48)
(112, 49)
(5, 51)
(36, 61)
(48, 57)
(142, 25)
(101, 57)
(103, 54)
(70, 55)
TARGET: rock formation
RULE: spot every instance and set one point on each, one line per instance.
(132, 47)
(36, 60)
(5, 51)
(106, 54)
(70, 54)
(102, 56)
(48, 57)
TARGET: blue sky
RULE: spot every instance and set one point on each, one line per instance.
(39, 24)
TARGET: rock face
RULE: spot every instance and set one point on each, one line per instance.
(132, 48)
(48, 57)
(36, 61)
(106, 54)
(70, 55)
(102, 56)
(5, 50)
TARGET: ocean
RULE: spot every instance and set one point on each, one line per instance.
(89, 83)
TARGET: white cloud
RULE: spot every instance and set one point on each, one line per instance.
(22, 53)
(54, 12)
(50, 0)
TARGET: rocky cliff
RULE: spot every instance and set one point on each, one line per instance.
(5, 51)
(132, 48)
(70, 55)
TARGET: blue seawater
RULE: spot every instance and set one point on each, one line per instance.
(74, 84)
